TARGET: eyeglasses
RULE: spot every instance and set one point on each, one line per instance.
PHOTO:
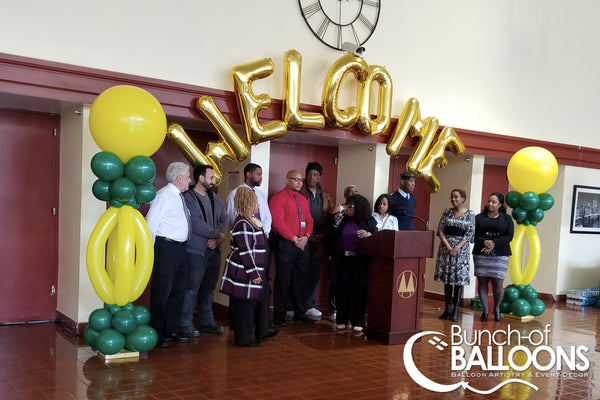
(350, 206)
(295, 179)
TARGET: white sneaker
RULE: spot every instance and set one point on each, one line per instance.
(357, 329)
(289, 315)
(340, 327)
(313, 314)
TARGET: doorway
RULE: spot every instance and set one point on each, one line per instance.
(29, 160)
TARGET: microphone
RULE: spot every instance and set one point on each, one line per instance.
(403, 212)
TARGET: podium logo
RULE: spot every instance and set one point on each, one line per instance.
(406, 285)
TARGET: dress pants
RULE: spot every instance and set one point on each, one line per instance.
(291, 266)
(206, 292)
(248, 314)
(313, 273)
(168, 286)
(196, 268)
(351, 290)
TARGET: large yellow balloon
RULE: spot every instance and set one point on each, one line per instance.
(532, 169)
(128, 121)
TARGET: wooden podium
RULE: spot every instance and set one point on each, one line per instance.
(396, 283)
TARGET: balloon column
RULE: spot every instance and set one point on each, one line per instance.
(129, 125)
(531, 172)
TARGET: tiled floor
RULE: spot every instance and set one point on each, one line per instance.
(306, 361)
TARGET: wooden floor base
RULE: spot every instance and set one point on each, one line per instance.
(522, 319)
(123, 355)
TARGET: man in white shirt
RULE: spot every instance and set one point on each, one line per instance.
(252, 179)
(168, 222)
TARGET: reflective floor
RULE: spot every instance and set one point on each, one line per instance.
(314, 361)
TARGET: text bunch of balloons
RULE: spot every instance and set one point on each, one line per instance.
(113, 328)
(129, 125)
(531, 172)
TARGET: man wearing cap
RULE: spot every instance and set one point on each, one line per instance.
(404, 203)
(320, 204)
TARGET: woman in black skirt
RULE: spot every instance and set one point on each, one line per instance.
(493, 233)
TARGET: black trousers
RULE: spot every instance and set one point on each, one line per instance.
(168, 286)
(248, 314)
(351, 290)
(291, 268)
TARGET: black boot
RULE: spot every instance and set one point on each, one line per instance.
(456, 302)
(448, 298)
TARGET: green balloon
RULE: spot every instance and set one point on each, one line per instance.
(128, 307)
(511, 293)
(145, 193)
(546, 201)
(100, 319)
(101, 190)
(107, 166)
(536, 215)
(140, 169)
(143, 338)
(116, 203)
(123, 322)
(529, 294)
(90, 335)
(520, 288)
(537, 307)
(505, 306)
(122, 189)
(519, 214)
(133, 203)
(141, 315)
(512, 199)
(110, 342)
(114, 309)
(520, 308)
(529, 201)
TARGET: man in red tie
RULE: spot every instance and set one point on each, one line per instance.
(293, 225)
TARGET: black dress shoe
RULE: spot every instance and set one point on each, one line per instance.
(270, 334)
(249, 344)
(214, 329)
(162, 344)
(178, 336)
(484, 317)
(497, 316)
(279, 322)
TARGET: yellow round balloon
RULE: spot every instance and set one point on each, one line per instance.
(532, 169)
(128, 121)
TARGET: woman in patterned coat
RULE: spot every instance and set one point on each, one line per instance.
(456, 230)
(245, 278)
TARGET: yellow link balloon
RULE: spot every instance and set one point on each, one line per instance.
(99, 278)
(125, 256)
(517, 275)
(129, 256)
(144, 256)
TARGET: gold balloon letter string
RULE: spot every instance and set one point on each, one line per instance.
(293, 117)
(421, 161)
(346, 64)
(249, 104)
(384, 102)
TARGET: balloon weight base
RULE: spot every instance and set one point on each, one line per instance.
(123, 355)
(526, 318)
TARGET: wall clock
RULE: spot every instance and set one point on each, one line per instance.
(334, 22)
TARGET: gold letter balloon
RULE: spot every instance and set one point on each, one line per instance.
(129, 124)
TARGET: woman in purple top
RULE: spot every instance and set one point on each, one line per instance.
(245, 278)
(352, 268)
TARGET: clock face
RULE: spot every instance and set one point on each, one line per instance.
(337, 21)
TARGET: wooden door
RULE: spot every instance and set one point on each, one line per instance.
(29, 162)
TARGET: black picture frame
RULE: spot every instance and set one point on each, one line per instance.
(585, 209)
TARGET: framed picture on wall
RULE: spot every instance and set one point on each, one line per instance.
(585, 210)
